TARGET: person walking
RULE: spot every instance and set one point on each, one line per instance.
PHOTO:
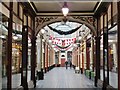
(66, 63)
(70, 64)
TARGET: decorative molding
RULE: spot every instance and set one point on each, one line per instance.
(40, 20)
(87, 19)
(64, 32)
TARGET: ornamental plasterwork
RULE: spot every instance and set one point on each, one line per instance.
(88, 19)
(43, 20)
(40, 20)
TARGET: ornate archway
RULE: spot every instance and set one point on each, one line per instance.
(43, 21)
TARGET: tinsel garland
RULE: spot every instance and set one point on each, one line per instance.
(63, 47)
(64, 32)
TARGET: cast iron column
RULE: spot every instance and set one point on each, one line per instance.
(82, 62)
(79, 57)
(88, 57)
(97, 39)
(105, 54)
(92, 52)
(33, 58)
(24, 57)
(47, 57)
(9, 49)
(44, 56)
(41, 54)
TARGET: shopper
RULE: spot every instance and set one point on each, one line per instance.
(66, 63)
(70, 64)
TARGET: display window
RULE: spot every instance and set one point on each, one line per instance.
(3, 47)
(101, 57)
(112, 56)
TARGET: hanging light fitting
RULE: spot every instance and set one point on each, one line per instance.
(65, 9)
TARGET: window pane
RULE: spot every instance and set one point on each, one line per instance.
(3, 47)
(112, 42)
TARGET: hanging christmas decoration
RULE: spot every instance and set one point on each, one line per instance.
(61, 47)
(64, 32)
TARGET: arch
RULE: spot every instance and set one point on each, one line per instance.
(92, 28)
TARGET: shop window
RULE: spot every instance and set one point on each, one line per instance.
(3, 47)
(101, 58)
(16, 57)
(112, 56)
(16, 50)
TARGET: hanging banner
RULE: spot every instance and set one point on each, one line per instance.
(62, 42)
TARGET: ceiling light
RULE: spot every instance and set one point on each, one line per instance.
(74, 45)
(42, 31)
(20, 36)
(50, 41)
(3, 36)
(43, 40)
(79, 38)
(15, 37)
(65, 9)
(29, 44)
(29, 41)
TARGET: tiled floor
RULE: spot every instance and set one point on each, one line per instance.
(16, 80)
(113, 78)
(59, 77)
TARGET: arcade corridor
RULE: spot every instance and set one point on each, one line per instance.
(60, 77)
(39, 38)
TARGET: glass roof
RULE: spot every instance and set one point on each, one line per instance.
(64, 27)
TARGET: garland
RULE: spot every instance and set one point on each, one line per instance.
(64, 32)
(63, 47)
